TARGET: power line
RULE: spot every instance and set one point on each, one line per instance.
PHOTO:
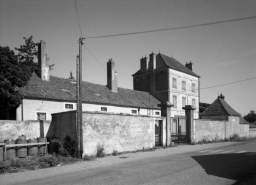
(78, 20)
(94, 57)
(228, 83)
(174, 28)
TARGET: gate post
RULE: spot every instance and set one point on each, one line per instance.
(189, 111)
(166, 112)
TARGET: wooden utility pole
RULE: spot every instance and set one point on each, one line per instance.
(79, 123)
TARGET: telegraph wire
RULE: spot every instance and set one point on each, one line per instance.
(94, 57)
(174, 28)
(78, 20)
(229, 83)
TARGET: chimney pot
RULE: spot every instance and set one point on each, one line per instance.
(189, 65)
(111, 76)
(43, 62)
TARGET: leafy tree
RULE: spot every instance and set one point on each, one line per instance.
(15, 72)
(26, 55)
(250, 117)
(11, 79)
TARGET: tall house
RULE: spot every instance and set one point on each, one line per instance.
(169, 80)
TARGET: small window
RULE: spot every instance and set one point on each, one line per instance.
(134, 111)
(41, 115)
(174, 99)
(183, 85)
(174, 83)
(193, 87)
(104, 109)
(193, 102)
(69, 106)
(183, 101)
(157, 113)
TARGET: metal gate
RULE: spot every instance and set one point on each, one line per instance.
(179, 130)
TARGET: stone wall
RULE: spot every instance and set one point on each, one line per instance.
(214, 129)
(114, 131)
(10, 129)
(117, 132)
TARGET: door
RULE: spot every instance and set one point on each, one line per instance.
(158, 134)
(179, 133)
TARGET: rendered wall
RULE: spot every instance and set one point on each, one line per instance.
(118, 132)
(10, 129)
(213, 129)
(31, 107)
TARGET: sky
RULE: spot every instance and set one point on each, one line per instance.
(221, 53)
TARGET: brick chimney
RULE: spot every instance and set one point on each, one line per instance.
(152, 61)
(144, 64)
(189, 65)
(111, 76)
(43, 65)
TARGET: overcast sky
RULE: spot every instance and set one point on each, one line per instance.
(221, 53)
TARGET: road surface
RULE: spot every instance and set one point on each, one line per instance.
(219, 163)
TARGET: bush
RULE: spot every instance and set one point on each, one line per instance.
(234, 137)
(48, 161)
(88, 158)
(100, 150)
(65, 147)
(115, 153)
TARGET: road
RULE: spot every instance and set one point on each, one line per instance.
(219, 163)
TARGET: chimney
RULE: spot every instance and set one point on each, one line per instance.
(111, 76)
(221, 96)
(189, 65)
(152, 61)
(43, 67)
(144, 64)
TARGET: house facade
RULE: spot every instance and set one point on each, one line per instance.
(168, 80)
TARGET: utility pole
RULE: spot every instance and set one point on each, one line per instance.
(79, 123)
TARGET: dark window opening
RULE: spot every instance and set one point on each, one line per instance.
(104, 109)
(134, 111)
(69, 106)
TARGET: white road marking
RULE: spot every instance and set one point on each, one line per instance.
(228, 151)
(216, 151)
(241, 152)
(205, 151)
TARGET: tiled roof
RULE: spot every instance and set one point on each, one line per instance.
(220, 107)
(65, 89)
(173, 64)
(203, 106)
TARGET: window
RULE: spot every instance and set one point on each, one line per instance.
(174, 99)
(157, 113)
(104, 109)
(69, 106)
(183, 101)
(193, 87)
(134, 111)
(41, 115)
(174, 83)
(193, 102)
(183, 85)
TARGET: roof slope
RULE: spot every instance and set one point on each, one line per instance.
(220, 107)
(65, 89)
(173, 64)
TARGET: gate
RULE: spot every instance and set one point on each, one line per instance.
(158, 132)
(179, 131)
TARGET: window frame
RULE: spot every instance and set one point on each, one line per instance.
(193, 87)
(184, 101)
(38, 112)
(68, 104)
(183, 85)
(174, 102)
(103, 109)
(174, 83)
(134, 111)
(194, 100)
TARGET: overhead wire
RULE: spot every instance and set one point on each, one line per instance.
(78, 19)
(174, 28)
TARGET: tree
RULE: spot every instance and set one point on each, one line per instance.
(11, 79)
(250, 117)
(16, 70)
(26, 55)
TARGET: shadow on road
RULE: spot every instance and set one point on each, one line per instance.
(230, 166)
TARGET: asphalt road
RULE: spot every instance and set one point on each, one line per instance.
(221, 163)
